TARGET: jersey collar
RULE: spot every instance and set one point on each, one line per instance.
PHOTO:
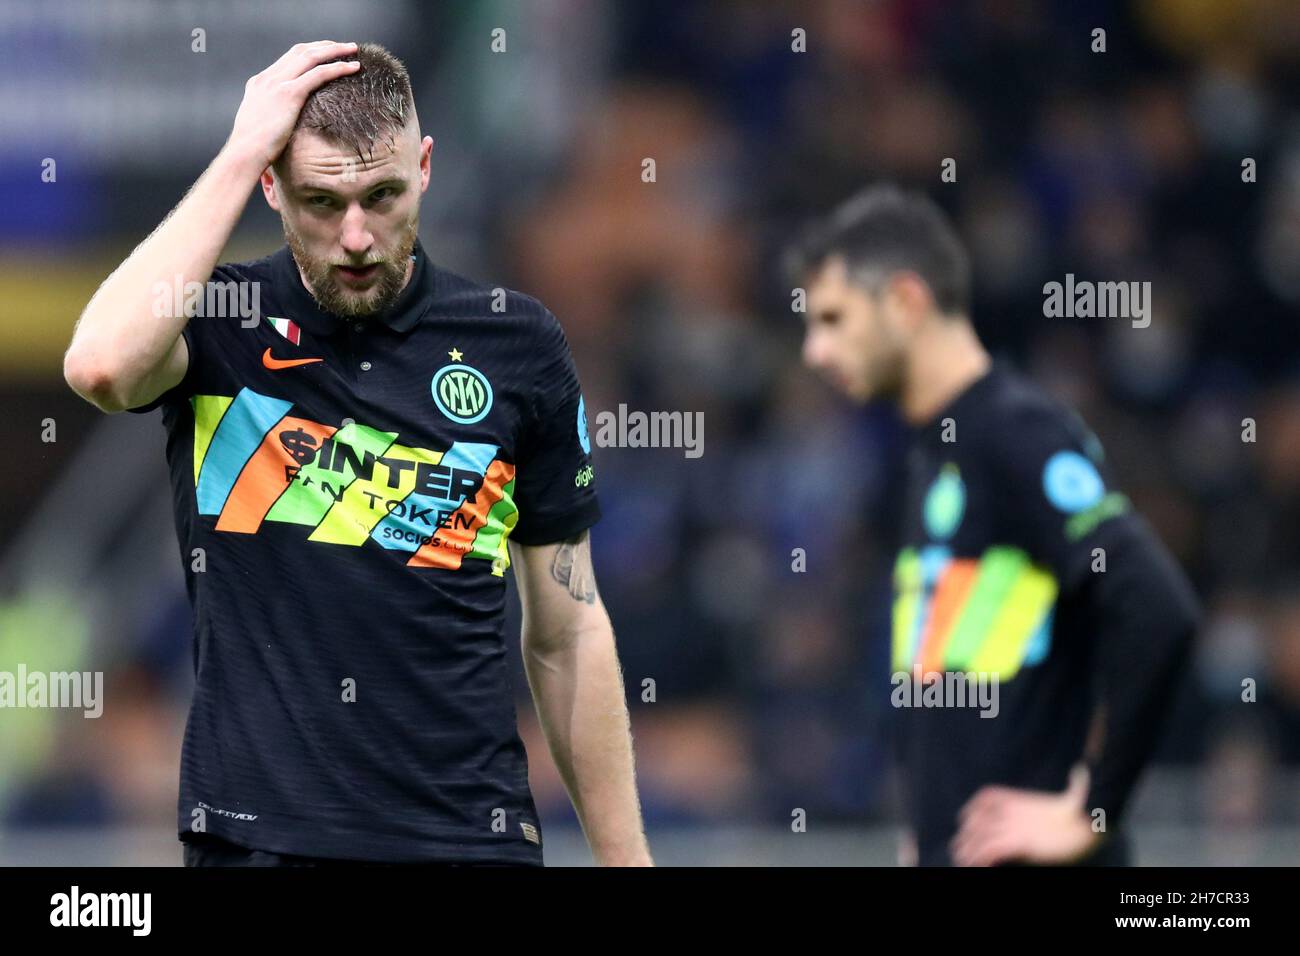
(969, 395)
(402, 316)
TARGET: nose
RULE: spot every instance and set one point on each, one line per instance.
(812, 352)
(356, 238)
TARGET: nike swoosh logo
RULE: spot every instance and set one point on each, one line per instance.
(275, 363)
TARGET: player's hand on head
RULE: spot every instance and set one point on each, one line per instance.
(1010, 825)
(274, 98)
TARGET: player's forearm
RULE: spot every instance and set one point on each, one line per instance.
(1147, 616)
(130, 326)
(578, 690)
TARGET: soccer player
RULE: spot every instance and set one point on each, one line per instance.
(360, 442)
(1021, 568)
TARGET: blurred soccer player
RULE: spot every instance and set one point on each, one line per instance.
(347, 468)
(1021, 567)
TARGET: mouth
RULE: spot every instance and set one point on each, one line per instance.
(835, 380)
(358, 276)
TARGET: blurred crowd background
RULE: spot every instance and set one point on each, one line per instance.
(771, 686)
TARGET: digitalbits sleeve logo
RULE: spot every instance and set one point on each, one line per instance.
(1071, 482)
(584, 438)
(462, 393)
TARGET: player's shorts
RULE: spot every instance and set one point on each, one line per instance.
(207, 850)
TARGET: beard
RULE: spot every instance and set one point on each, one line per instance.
(332, 296)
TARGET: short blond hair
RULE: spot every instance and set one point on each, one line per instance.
(359, 109)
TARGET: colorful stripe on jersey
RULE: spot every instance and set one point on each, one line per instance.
(255, 463)
(991, 615)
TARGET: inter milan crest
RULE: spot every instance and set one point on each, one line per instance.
(945, 503)
(462, 393)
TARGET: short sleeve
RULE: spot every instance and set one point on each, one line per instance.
(1055, 493)
(201, 334)
(555, 484)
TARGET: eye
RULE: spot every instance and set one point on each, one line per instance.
(319, 201)
(382, 193)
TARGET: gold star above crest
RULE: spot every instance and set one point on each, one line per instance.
(456, 355)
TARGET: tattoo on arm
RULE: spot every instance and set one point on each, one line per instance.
(572, 568)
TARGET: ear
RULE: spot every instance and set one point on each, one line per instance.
(909, 299)
(426, 154)
(268, 188)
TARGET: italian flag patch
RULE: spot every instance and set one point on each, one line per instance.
(286, 328)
